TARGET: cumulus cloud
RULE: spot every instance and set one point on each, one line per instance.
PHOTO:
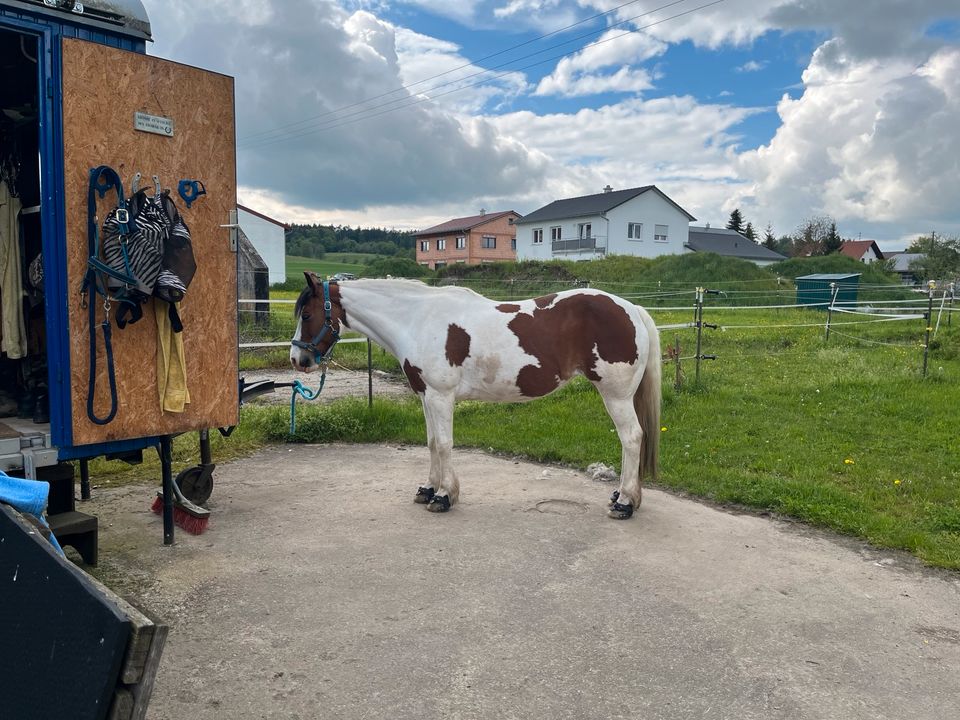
(581, 73)
(868, 142)
(435, 69)
(869, 136)
(545, 15)
(752, 66)
(878, 29)
(297, 64)
(674, 142)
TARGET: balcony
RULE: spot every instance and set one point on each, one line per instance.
(593, 245)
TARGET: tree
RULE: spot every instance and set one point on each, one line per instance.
(769, 239)
(395, 267)
(940, 258)
(736, 221)
(832, 242)
(749, 232)
(811, 236)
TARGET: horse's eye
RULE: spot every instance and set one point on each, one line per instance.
(305, 316)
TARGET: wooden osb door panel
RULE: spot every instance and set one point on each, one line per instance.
(102, 90)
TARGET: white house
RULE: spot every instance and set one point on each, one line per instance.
(268, 237)
(639, 221)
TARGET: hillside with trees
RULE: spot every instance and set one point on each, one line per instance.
(315, 241)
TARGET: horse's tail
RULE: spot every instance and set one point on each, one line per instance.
(646, 401)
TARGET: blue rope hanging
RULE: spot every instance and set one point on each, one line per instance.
(307, 394)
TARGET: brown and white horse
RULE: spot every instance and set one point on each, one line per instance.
(455, 344)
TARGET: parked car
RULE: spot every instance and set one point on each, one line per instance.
(343, 276)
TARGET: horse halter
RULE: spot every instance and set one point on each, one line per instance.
(319, 357)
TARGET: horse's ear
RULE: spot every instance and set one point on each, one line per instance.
(312, 280)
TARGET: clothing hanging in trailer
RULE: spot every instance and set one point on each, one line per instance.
(13, 333)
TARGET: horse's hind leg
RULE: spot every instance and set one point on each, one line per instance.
(624, 416)
(438, 408)
(425, 493)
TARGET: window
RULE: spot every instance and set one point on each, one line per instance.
(537, 236)
(513, 243)
(424, 246)
(583, 231)
(489, 242)
(437, 265)
(555, 233)
(461, 242)
(442, 244)
(660, 233)
(634, 231)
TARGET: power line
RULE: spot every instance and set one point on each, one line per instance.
(358, 114)
(461, 67)
(336, 123)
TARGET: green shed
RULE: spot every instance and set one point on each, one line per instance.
(817, 289)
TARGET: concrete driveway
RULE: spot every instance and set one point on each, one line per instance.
(322, 591)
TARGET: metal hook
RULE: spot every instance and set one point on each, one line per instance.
(135, 184)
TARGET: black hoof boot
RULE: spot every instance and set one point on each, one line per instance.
(424, 495)
(620, 512)
(439, 503)
(614, 498)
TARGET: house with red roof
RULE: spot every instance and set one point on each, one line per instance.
(487, 237)
(866, 251)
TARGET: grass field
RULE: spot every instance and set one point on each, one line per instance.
(846, 435)
(331, 264)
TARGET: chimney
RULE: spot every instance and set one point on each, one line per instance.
(608, 189)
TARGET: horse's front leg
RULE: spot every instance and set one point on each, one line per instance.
(438, 408)
(426, 493)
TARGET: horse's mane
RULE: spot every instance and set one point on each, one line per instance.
(411, 284)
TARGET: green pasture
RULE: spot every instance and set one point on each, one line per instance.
(846, 435)
(330, 264)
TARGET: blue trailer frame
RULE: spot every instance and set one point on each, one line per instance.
(48, 27)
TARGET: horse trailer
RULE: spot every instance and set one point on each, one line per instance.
(80, 94)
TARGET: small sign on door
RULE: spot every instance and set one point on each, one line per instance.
(153, 124)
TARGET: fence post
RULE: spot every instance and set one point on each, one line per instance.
(928, 317)
(833, 298)
(950, 311)
(698, 320)
(676, 361)
(369, 374)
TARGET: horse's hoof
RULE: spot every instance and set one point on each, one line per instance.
(620, 512)
(424, 495)
(439, 503)
(613, 498)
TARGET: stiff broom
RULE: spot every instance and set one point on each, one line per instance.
(192, 518)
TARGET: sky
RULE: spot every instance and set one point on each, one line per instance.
(404, 114)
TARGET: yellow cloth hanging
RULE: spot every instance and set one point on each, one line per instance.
(171, 362)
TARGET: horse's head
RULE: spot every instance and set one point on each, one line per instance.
(319, 318)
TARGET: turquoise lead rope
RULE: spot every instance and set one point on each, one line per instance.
(307, 394)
